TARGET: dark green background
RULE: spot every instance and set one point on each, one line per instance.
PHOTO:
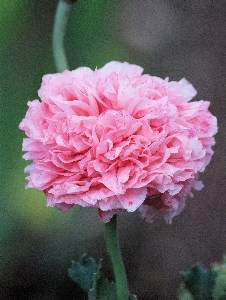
(37, 243)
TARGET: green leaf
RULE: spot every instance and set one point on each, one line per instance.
(102, 289)
(184, 294)
(199, 282)
(219, 271)
(84, 272)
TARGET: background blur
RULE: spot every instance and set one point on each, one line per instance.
(169, 38)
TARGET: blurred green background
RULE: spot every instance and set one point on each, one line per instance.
(168, 38)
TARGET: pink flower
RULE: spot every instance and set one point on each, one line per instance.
(115, 139)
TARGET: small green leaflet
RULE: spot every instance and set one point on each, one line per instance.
(86, 273)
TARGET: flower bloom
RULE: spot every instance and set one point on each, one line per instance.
(115, 139)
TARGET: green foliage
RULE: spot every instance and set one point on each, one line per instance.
(103, 289)
(86, 273)
(199, 282)
(184, 294)
(202, 284)
(219, 271)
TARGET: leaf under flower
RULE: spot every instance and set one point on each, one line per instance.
(86, 273)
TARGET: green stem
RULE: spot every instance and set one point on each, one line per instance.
(116, 259)
(60, 24)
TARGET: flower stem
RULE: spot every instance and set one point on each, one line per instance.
(116, 259)
(60, 24)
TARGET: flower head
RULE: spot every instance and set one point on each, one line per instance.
(115, 139)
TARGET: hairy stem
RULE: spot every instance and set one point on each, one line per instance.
(60, 24)
(116, 259)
